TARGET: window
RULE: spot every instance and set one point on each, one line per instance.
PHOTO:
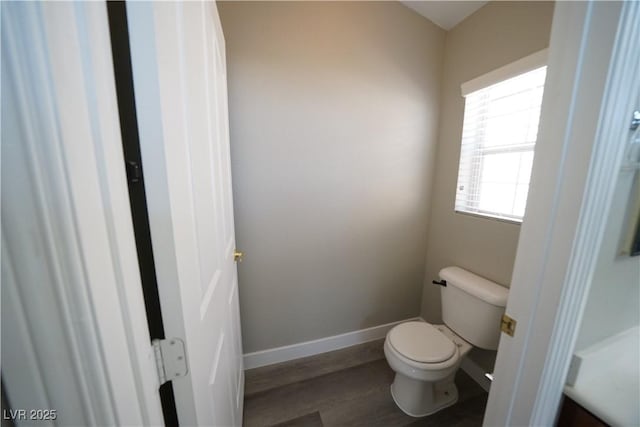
(498, 140)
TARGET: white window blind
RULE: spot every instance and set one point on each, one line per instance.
(498, 139)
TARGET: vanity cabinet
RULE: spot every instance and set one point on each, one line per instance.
(574, 415)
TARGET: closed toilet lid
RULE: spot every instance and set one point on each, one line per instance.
(421, 342)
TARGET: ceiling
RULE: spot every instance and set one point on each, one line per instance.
(445, 14)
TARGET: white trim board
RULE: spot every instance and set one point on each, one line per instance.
(311, 348)
(521, 66)
(73, 286)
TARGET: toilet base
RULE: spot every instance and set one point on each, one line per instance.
(421, 398)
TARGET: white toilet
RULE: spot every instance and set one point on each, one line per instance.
(425, 357)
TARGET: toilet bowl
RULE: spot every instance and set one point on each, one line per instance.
(425, 357)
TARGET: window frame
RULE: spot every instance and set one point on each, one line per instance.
(514, 69)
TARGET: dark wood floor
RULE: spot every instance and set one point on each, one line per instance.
(348, 387)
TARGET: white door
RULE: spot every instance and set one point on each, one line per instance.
(179, 75)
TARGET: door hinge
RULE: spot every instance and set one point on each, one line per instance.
(171, 359)
(508, 325)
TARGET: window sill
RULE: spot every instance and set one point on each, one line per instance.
(490, 217)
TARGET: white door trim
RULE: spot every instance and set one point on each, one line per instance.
(611, 144)
(591, 87)
(69, 260)
(156, 153)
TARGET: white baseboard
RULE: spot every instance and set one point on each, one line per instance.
(322, 345)
(476, 373)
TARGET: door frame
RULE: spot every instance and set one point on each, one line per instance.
(68, 105)
(584, 131)
(121, 55)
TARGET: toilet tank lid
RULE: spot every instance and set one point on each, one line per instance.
(471, 283)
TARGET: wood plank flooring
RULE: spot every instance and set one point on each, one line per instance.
(348, 387)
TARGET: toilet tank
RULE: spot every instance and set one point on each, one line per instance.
(472, 306)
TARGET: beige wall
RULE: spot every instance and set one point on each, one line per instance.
(334, 112)
(496, 35)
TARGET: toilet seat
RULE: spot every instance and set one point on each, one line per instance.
(422, 343)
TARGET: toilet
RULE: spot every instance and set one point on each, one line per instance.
(425, 357)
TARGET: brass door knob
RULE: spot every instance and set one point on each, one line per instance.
(237, 256)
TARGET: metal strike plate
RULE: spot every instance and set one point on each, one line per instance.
(508, 325)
